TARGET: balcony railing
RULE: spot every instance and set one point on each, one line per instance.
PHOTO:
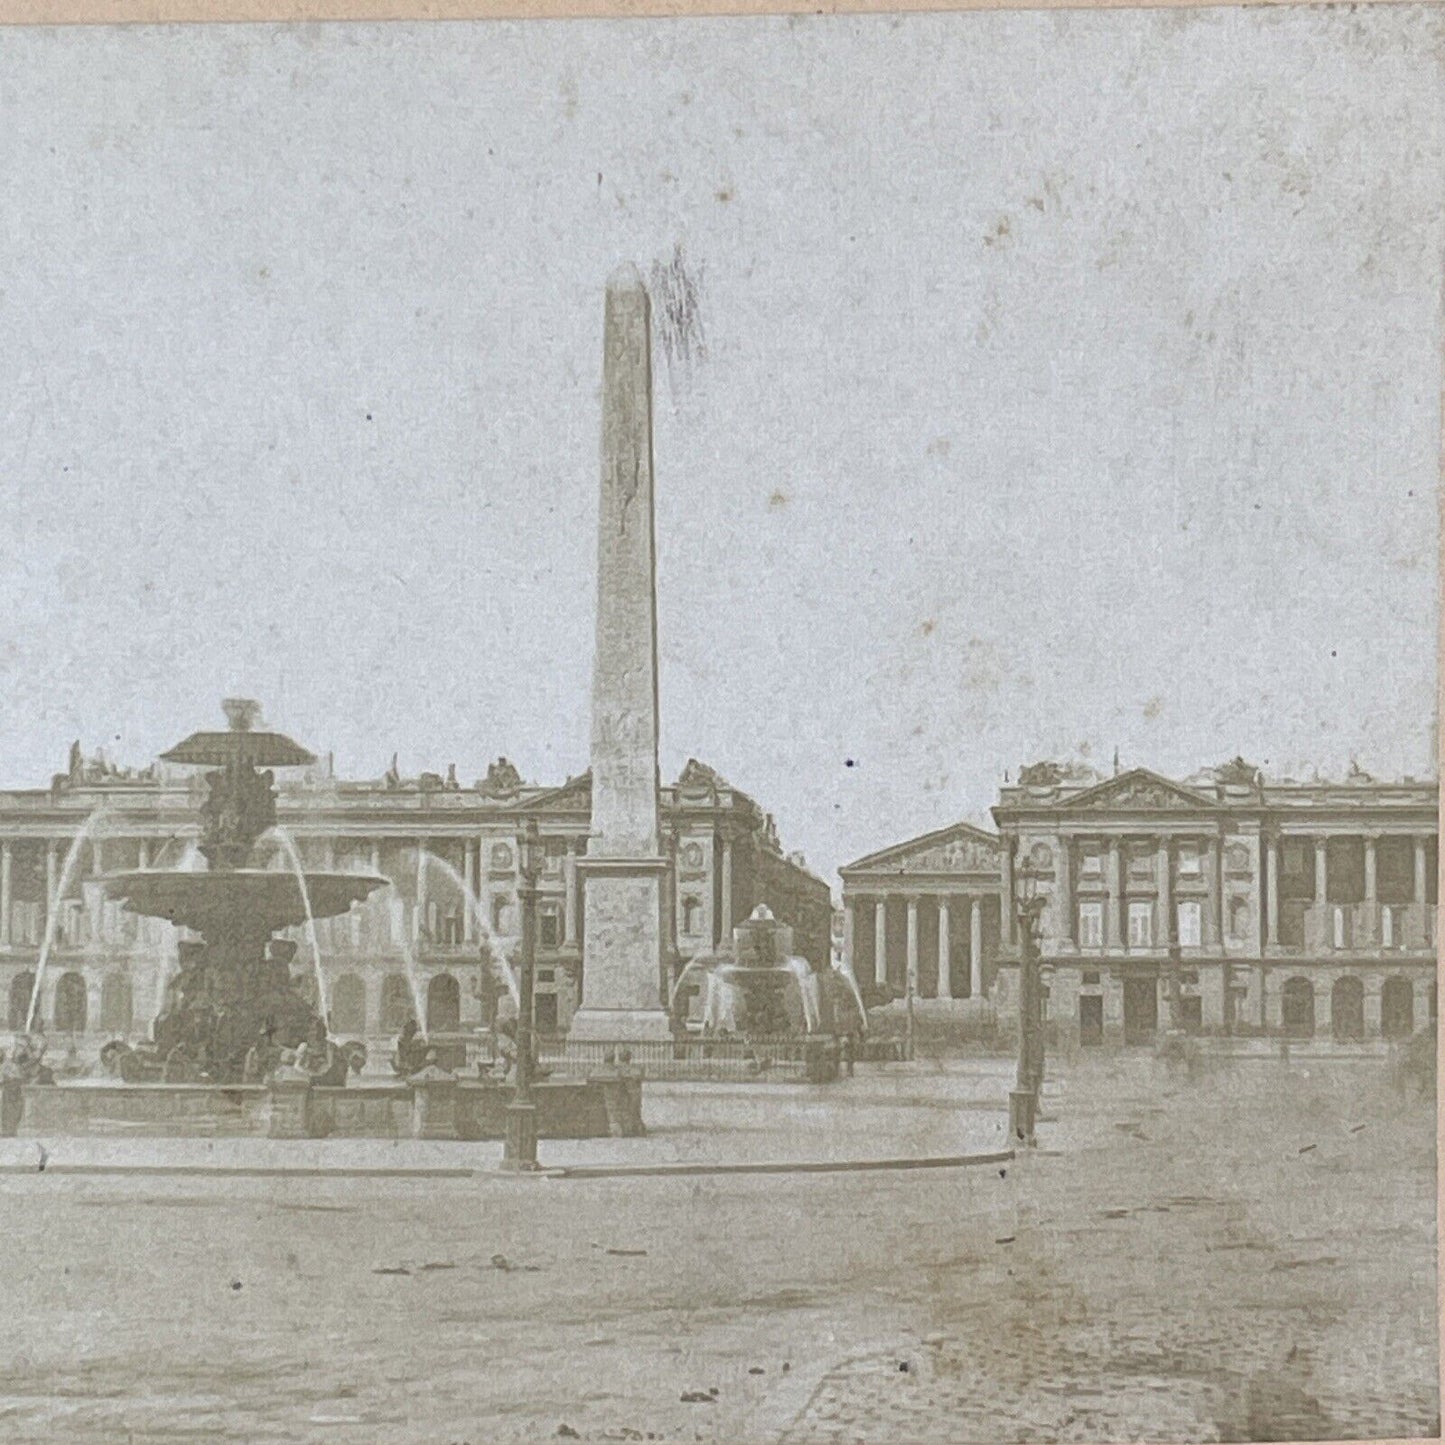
(1356, 928)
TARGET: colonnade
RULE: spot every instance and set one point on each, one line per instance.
(963, 911)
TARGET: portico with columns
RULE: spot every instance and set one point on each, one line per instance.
(1227, 902)
(924, 916)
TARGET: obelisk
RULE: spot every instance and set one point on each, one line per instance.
(623, 869)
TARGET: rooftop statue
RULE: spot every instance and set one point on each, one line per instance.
(502, 778)
(1239, 772)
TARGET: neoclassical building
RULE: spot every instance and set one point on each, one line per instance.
(416, 947)
(1224, 902)
(1227, 901)
(927, 909)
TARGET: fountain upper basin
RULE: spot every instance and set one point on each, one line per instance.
(254, 898)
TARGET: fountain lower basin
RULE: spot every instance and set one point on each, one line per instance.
(434, 1105)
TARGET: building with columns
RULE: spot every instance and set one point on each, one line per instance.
(1225, 902)
(415, 947)
(926, 910)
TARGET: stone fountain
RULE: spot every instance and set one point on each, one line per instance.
(236, 981)
(761, 989)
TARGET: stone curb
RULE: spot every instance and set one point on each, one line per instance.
(840, 1166)
(584, 1171)
(245, 1171)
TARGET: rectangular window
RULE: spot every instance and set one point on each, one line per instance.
(544, 1013)
(1091, 925)
(1141, 925)
(1189, 860)
(1091, 977)
(1091, 863)
(549, 925)
(1189, 933)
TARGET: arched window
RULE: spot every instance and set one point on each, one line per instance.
(1397, 1008)
(1299, 1008)
(21, 987)
(70, 1004)
(443, 1005)
(348, 1005)
(396, 1003)
(116, 1010)
(1347, 1008)
(692, 915)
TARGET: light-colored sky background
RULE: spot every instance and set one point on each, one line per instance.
(1071, 382)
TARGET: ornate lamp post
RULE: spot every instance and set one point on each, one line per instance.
(1023, 1099)
(519, 1149)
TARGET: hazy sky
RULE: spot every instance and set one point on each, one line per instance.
(1066, 382)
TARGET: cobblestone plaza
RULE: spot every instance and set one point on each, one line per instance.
(1288, 1207)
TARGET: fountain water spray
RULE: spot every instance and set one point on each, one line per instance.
(234, 984)
(501, 967)
(844, 970)
(84, 834)
(698, 962)
(288, 844)
(413, 977)
(168, 955)
(807, 981)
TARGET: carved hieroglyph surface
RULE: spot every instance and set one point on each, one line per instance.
(624, 942)
(624, 686)
(621, 970)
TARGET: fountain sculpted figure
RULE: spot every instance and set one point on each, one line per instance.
(233, 1000)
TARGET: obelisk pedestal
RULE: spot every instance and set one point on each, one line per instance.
(623, 869)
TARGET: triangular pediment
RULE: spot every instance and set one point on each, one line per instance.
(1135, 790)
(961, 848)
(575, 795)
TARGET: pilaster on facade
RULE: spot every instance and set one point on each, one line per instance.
(1256, 893)
(432, 922)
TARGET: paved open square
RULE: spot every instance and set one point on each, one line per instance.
(1245, 1253)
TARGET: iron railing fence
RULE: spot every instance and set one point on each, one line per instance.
(691, 1057)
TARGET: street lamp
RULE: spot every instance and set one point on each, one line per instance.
(519, 1148)
(1023, 1099)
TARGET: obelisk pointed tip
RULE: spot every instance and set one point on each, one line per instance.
(626, 278)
